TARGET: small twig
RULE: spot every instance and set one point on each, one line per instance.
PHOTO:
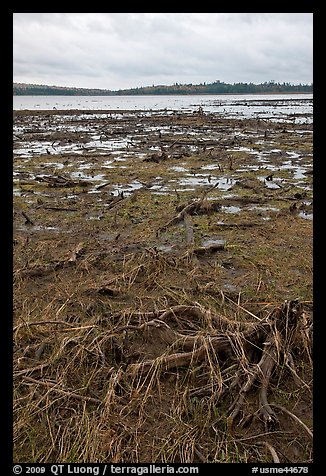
(238, 225)
(80, 328)
(39, 323)
(53, 387)
(61, 209)
(267, 433)
(206, 192)
(290, 365)
(31, 369)
(200, 455)
(244, 309)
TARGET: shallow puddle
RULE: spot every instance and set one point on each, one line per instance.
(83, 176)
(40, 228)
(199, 179)
(165, 248)
(275, 183)
(230, 209)
(213, 241)
(126, 189)
(212, 152)
(306, 215)
(179, 168)
(262, 208)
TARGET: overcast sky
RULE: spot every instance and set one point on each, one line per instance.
(122, 50)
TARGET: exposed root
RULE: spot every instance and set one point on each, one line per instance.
(254, 348)
(310, 433)
(195, 360)
(272, 451)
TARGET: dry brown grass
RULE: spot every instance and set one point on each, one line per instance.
(81, 350)
(130, 347)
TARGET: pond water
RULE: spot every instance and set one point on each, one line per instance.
(277, 106)
(113, 148)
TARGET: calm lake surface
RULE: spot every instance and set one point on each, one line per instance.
(272, 106)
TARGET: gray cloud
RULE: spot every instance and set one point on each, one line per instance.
(120, 50)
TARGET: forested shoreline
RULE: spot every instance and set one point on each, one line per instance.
(217, 87)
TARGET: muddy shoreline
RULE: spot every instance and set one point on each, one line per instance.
(125, 212)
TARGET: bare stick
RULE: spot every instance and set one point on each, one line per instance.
(190, 239)
(40, 323)
(178, 217)
(28, 220)
(31, 369)
(54, 388)
(297, 419)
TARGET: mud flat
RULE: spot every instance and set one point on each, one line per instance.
(162, 287)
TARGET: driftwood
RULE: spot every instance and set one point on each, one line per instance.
(28, 220)
(196, 207)
(103, 185)
(61, 181)
(115, 201)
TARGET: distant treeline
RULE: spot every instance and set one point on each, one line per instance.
(217, 87)
(22, 89)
